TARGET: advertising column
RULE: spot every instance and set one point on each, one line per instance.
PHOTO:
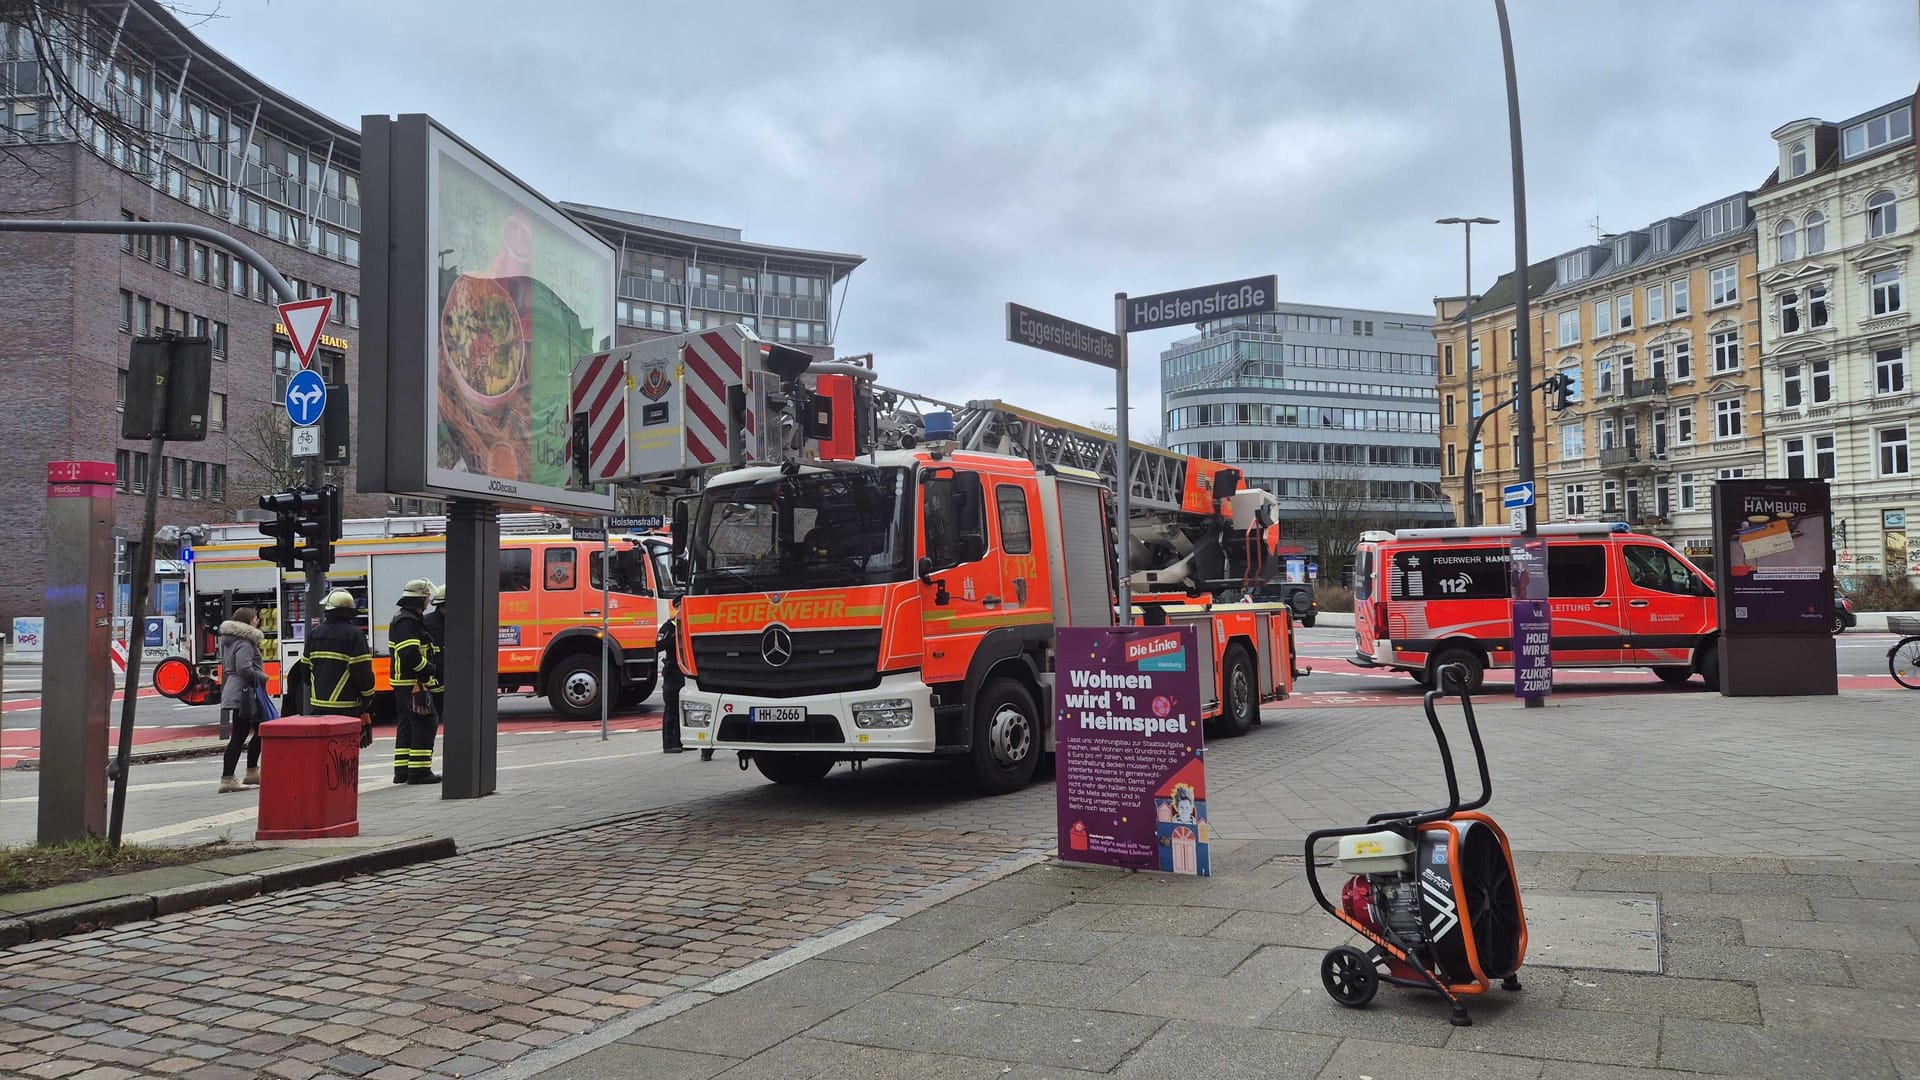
(77, 694)
(1775, 587)
(1532, 621)
(1132, 788)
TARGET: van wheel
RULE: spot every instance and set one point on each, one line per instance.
(1466, 658)
(574, 687)
(1006, 737)
(1239, 694)
(785, 768)
(1673, 675)
(1307, 619)
(1709, 660)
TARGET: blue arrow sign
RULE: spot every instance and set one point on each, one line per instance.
(1515, 496)
(306, 398)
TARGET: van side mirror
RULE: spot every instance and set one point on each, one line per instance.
(679, 536)
(925, 570)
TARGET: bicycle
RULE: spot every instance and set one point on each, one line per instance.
(1903, 660)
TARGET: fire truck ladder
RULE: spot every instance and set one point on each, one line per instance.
(1159, 476)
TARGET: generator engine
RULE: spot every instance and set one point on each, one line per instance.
(1383, 892)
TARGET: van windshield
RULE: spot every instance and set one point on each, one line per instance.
(817, 530)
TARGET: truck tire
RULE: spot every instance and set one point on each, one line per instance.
(1307, 619)
(1709, 660)
(785, 768)
(1674, 674)
(1466, 658)
(635, 694)
(1239, 693)
(1006, 737)
(573, 688)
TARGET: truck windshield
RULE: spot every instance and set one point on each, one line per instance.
(812, 531)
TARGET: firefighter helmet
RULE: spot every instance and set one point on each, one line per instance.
(338, 600)
(439, 594)
(418, 587)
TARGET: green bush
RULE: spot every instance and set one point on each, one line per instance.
(1333, 598)
(1885, 594)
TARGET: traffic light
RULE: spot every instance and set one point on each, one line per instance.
(284, 529)
(1563, 392)
(317, 523)
(578, 449)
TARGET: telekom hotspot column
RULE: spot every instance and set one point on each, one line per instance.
(77, 691)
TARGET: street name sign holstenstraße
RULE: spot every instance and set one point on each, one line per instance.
(1039, 330)
(1251, 296)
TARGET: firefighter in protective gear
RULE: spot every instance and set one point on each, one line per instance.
(412, 667)
(339, 665)
(436, 624)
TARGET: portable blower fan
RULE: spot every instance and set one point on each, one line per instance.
(1434, 891)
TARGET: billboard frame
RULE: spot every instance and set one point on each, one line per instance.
(400, 230)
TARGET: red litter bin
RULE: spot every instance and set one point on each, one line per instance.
(309, 778)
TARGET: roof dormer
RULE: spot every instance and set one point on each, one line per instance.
(1798, 153)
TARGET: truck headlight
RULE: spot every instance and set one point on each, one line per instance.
(885, 713)
(695, 714)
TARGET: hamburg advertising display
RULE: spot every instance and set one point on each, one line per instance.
(494, 294)
(1132, 788)
(1776, 535)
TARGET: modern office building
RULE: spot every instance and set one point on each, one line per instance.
(1333, 410)
(118, 112)
(1659, 328)
(1836, 243)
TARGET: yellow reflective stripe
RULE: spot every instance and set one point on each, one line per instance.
(952, 621)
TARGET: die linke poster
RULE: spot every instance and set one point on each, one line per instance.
(1131, 780)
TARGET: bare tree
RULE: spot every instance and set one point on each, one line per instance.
(264, 446)
(1338, 507)
(1105, 427)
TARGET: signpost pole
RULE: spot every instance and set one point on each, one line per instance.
(606, 576)
(1122, 466)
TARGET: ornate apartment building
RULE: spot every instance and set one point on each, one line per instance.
(1837, 227)
(1659, 328)
(1475, 377)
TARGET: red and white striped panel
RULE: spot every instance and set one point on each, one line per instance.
(712, 364)
(119, 658)
(599, 390)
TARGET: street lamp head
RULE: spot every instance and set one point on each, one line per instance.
(1466, 221)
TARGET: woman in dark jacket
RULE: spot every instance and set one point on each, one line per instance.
(241, 673)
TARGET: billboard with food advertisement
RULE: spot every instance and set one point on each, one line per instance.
(487, 296)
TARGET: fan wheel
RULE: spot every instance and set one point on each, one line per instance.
(1492, 902)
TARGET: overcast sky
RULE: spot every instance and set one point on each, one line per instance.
(1057, 152)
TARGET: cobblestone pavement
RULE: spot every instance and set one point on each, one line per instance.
(497, 956)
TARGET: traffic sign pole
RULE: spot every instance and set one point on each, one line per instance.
(1123, 465)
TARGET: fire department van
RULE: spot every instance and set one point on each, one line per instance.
(550, 594)
(1424, 598)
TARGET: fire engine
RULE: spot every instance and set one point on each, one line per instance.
(883, 575)
(550, 597)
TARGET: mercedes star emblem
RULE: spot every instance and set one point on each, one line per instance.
(776, 646)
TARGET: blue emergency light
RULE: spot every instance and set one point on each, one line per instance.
(939, 426)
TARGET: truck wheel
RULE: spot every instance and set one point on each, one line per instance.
(1465, 658)
(1239, 693)
(574, 687)
(1307, 619)
(1709, 660)
(634, 695)
(792, 768)
(1674, 674)
(1006, 737)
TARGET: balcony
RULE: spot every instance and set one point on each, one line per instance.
(1654, 388)
(1630, 458)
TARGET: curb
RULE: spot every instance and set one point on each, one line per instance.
(99, 914)
(144, 757)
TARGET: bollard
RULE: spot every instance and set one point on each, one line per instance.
(309, 778)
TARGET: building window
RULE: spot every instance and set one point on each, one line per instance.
(1821, 372)
(1890, 371)
(1789, 312)
(1576, 500)
(1453, 465)
(1883, 216)
(1623, 311)
(126, 239)
(1816, 233)
(1786, 241)
(1795, 451)
(1570, 327)
(1685, 483)
(217, 412)
(1723, 286)
(1729, 422)
(1446, 353)
(1879, 131)
(1603, 377)
(1663, 499)
(1479, 457)
(1791, 390)
(1606, 433)
(1797, 160)
(1681, 304)
(1573, 442)
(1610, 497)
(120, 390)
(1473, 404)
(217, 482)
(1726, 351)
(1886, 291)
(1733, 474)
(1602, 318)
(122, 469)
(197, 480)
(217, 334)
(142, 316)
(1816, 306)
(1656, 303)
(1893, 450)
(181, 259)
(199, 264)
(126, 311)
(177, 477)
(1450, 420)
(1824, 458)
(1473, 355)
(1683, 425)
(1659, 435)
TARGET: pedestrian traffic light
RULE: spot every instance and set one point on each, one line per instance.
(284, 528)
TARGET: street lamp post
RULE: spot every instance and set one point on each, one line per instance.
(1466, 477)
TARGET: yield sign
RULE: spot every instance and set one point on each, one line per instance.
(303, 320)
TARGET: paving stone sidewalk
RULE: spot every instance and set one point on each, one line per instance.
(1773, 968)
